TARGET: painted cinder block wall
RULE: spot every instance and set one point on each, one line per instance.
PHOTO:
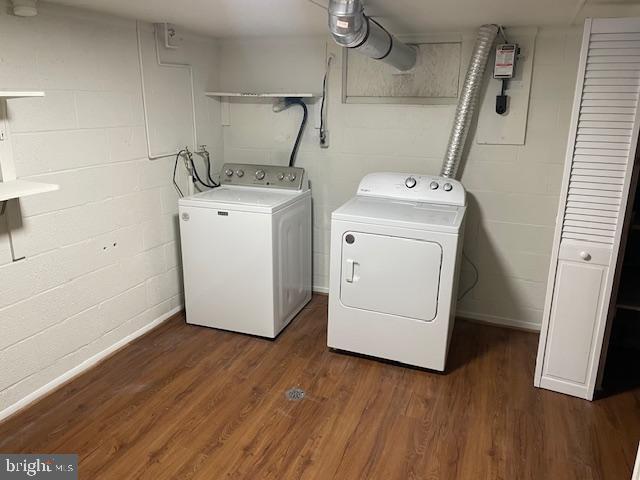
(513, 190)
(102, 257)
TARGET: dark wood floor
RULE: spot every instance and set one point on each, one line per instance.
(188, 402)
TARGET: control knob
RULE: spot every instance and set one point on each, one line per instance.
(228, 172)
(281, 176)
(434, 185)
(291, 177)
(240, 173)
(410, 182)
(447, 187)
(260, 174)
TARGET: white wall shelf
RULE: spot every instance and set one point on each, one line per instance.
(261, 95)
(276, 97)
(23, 188)
(19, 94)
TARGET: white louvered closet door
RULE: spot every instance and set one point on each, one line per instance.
(599, 165)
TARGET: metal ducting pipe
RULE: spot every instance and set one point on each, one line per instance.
(468, 100)
(351, 28)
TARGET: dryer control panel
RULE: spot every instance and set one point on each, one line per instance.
(413, 187)
(268, 176)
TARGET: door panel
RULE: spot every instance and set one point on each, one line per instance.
(392, 275)
(576, 308)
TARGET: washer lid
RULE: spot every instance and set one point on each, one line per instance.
(399, 213)
(247, 199)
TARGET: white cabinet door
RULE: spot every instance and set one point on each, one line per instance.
(578, 301)
(399, 276)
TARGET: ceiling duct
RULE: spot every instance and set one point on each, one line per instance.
(351, 28)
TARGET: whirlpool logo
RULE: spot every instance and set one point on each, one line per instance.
(52, 467)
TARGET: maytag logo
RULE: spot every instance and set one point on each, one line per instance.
(52, 467)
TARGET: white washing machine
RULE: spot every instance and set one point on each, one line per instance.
(395, 259)
(246, 250)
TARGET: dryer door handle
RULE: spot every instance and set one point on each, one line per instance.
(350, 270)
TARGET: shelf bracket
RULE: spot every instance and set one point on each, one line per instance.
(15, 230)
(225, 112)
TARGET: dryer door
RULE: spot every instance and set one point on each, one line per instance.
(398, 276)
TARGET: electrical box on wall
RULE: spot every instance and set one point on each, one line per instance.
(505, 64)
(168, 34)
(504, 69)
(510, 126)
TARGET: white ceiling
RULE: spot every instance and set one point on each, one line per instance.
(232, 18)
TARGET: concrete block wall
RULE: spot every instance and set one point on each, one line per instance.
(513, 190)
(102, 253)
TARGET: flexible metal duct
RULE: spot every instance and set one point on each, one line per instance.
(468, 99)
(351, 28)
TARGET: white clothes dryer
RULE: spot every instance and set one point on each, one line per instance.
(395, 260)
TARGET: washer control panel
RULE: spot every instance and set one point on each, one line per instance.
(413, 187)
(268, 176)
